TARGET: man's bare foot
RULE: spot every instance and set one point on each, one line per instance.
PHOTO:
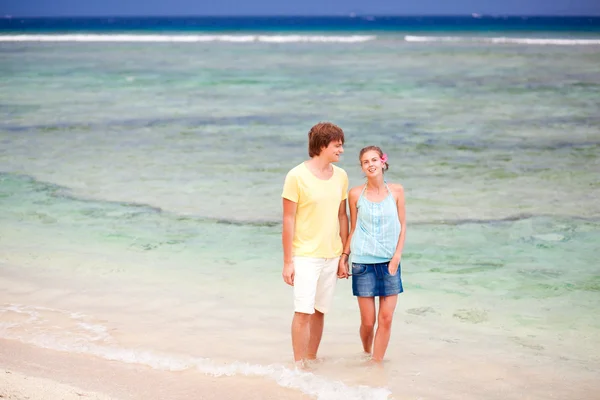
(313, 361)
(300, 365)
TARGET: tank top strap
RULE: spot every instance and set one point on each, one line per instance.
(362, 192)
(388, 188)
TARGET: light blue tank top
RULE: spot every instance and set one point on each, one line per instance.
(377, 230)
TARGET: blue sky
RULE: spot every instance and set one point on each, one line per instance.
(298, 7)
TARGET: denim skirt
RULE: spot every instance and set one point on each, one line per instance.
(369, 280)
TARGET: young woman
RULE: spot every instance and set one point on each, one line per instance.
(376, 239)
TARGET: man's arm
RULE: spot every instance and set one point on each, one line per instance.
(343, 218)
(343, 269)
(352, 200)
(287, 238)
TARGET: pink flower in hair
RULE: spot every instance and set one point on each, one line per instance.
(384, 158)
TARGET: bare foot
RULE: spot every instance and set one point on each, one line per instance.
(313, 361)
(300, 365)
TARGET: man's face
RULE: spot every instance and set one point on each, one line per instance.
(333, 151)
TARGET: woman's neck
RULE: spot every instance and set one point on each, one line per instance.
(375, 185)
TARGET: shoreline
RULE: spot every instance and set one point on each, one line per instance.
(32, 373)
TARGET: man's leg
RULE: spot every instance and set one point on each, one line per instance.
(305, 286)
(323, 299)
(317, 321)
(300, 335)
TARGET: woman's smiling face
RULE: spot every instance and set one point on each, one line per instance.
(371, 163)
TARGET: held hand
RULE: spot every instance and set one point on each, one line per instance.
(288, 273)
(393, 265)
(343, 268)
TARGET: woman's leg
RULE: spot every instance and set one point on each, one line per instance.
(367, 321)
(387, 305)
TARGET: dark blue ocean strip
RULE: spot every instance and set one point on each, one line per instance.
(483, 24)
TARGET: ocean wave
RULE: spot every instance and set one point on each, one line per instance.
(82, 334)
(504, 40)
(189, 38)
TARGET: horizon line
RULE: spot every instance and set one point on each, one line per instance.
(339, 15)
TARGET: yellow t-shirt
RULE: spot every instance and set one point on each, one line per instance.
(317, 227)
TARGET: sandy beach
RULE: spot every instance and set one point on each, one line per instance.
(16, 386)
(31, 373)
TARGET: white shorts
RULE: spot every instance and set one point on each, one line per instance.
(314, 283)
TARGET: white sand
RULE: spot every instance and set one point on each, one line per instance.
(32, 373)
(16, 386)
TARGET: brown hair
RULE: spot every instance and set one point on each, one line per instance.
(321, 135)
(373, 148)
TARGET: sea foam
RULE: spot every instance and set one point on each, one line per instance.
(504, 40)
(86, 336)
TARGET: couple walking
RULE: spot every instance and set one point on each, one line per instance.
(317, 241)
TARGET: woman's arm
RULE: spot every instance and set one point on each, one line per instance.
(396, 259)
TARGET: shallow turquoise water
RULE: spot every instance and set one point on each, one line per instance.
(140, 183)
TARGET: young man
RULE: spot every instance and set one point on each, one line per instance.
(315, 229)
